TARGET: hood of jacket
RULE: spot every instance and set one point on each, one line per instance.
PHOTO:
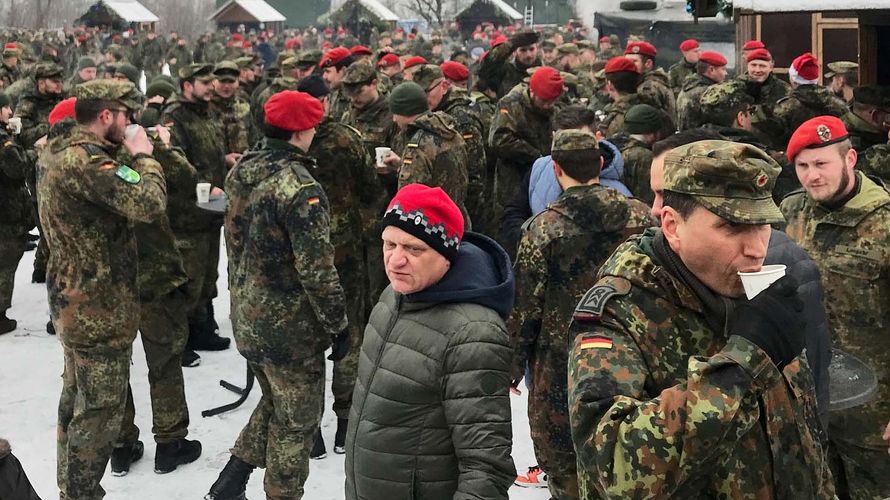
(613, 163)
(481, 274)
(436, 122)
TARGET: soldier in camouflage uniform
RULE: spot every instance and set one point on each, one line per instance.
(678, 72)
(194, 130)
(152, 55)
(841, 218)
(711, 69)
(286, 81)
(560, 252)
(232, 112)
(33, 109)
(88, 204)
(868, 119)
(521, 133)
(442, 97)
(767, 90)
(9, 70)
(506, 64)
(434, 152)
(287, 303)
(569, 61)
(622, 78)
(807, 100)
(179, 56)
(15, 214)
(678, 387)
(654, 85)
(642, 124)
(334, 65)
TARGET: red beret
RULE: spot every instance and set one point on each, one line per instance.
(645, 48)
(688, 45)
(806, 66)
(454, 71)
(712, 58)
(546, 83)
(753, 45)
(497, 40)
(429, 214)
(388, 60)
(237, 37)
(11, 46)
(759, 54)
(816, 133)
(291, 42)
(361, 50)
(294, 111)
(604, 39)
(619, 64)
(414, 61)
(334, 56)
(246, 45)
(64, 109)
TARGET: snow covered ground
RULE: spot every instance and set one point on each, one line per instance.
(30, 382)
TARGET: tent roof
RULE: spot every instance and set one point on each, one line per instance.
(376, 7)
(808, 5)
(258, 9)
(506, 9)
(131, 11)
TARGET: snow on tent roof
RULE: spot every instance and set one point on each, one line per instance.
(258, 9)
(131, 11)
(506, 9)
(381, 10)
(807, 5)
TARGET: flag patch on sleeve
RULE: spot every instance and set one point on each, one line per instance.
(595, 342)
(314, 200)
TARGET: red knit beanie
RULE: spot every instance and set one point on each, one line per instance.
(429, 214)
(546, 83)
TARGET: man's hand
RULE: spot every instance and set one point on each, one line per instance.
(232, 159)
(155, 99)
(216, 192)
(887, 435)
(139, 143)
(773, 321)
(39, 143)
(392, 161)
(163, 134)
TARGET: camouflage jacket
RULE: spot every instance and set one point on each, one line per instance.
(863, 135)
(234, 118)
(637, 156)
(613, 122)
(677, 74)
(9, 75)
(200, 137)
(469, 124)
(374, 122)
(345, 170)
(662, 406)
(875, 162)
(520, 134)
(15, 167)
(766, 95)
(558, 258)
(688, 102)
(153, 54)
(655, 90)
(88, 204)
(338, 104)
(851, 245)
(436, 155)
(287, 301)
(805, 102)
(178, 57)
(500, 72)
(34, 108)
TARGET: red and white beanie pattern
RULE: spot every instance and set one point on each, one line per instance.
(429, 214)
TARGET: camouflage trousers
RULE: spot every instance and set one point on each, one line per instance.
(94, 390)
(163, 327)
(200, 257)
(12, 247)
(860, 472)
(350, 266)
(281, 430)
(563, 486)
(377, 280)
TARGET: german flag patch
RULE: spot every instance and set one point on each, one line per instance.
(595, 342)
(314, 200)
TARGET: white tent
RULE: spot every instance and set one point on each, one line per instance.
(380, 10)
(258, 10)
(131, 11)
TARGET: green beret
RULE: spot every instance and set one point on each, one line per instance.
(573, 140)
(732, 180)
(642, 119)
(427, 75)
(227, 71)
(128, 71)
(86, 62)
(408, 99)
(160, 87)
(359, 73)
(4, 100)
(197, 71)
(110, 90)
(873, 95)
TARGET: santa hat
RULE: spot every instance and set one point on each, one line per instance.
(804, 69)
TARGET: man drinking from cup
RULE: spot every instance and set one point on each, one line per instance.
(679, 386)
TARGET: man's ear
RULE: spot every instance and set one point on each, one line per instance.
(670, 224)
(557, 169)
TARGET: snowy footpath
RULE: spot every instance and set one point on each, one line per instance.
(30, 383)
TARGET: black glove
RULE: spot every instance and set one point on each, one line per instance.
(773, 321)
(523, 38)
(339, 346)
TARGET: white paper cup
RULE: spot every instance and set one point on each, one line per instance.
(131, 131)
(203, 192)
(15, 125)
(380, 154)
(755, 283)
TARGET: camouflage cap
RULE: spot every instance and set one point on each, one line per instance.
(722, 97)
(48, 70)
(288, 64)
(873, 95)
(567, 49)
(359, 73)
(428, 75)
(198, 71)
(840, 68)
(226, 71)
(309, 58)
(573, 140)
(110, 90)
(244, 62)
(584, 44)
(733, 180)
(547, 45)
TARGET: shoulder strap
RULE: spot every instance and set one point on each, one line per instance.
(592, 305)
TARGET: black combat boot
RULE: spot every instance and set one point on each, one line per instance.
(50, 329)
(190, 359)
(203, 338)
(38, 276)
(6, 325)
(318, 450)
(232, 481)
(168, 456)
(122, 458)
(340, 436)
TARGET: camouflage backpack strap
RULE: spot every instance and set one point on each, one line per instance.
(592, 305)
